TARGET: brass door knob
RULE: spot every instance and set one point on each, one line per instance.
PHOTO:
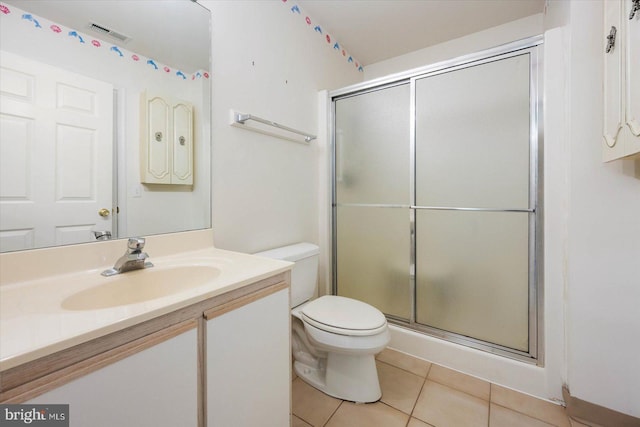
(104, 212)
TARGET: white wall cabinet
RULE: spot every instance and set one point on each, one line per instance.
(166, 140)
(154, 387)
(249, 363)
(621, 81)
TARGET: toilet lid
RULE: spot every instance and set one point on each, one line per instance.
(344, 316)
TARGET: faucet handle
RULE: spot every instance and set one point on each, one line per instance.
(136, 243)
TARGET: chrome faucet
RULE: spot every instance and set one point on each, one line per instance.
(133, 259)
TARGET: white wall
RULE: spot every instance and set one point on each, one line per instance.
(603, 256)
(267, 62)
(157, 209)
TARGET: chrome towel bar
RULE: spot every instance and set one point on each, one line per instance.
(240, 119)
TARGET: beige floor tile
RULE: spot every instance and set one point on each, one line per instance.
(400, 389)
(297, 422)
(460, 381)
(404, 361)
(312, 405)
(575, 423)
(504, 417)
(367, 415)
(414, 422)
(536, 408)
(440, 405)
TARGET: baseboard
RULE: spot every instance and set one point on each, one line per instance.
(596, 415)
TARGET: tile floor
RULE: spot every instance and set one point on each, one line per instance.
(416, 393)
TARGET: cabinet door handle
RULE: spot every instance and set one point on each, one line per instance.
(611, 39)
(635, 7)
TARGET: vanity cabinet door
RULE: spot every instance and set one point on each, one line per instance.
(155, 387)
(248, 357)
(621, 50)
(632, 46)
(613, 146)
(182, 170)
(156, 159)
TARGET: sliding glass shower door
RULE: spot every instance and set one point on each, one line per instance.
(372, 197)
(473, 201)
(436, 218)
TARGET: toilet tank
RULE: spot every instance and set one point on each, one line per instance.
(304, 274)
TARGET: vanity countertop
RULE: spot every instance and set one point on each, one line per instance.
(35, 323)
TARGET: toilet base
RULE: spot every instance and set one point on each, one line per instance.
(344, 376)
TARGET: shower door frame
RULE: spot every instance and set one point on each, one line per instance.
(533, 47)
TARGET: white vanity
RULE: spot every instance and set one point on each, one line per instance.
(203, 340)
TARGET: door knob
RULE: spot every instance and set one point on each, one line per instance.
(104, 212)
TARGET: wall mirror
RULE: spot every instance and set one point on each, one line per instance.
(105, 120)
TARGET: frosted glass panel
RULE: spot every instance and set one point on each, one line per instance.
(373, 257)
(472, 136)
(472, 274)
(372, 147)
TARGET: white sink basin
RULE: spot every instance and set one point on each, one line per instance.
(139, 286)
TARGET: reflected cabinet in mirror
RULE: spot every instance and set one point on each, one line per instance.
(104, 120)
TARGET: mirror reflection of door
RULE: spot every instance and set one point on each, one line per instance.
(46, 114)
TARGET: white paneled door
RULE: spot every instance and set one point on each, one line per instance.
(56, 155)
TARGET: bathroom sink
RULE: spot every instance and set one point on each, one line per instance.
(140, 286)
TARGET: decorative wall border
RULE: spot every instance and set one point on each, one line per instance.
(316, 27)
(114, 51)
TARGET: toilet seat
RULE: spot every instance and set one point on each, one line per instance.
(343, 316)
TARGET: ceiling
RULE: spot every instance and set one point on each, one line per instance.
(375, 30)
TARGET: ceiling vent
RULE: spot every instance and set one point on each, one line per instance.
(110, 33)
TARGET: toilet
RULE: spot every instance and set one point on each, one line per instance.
(334, 339)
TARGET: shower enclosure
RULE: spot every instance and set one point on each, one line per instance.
(436, 198)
